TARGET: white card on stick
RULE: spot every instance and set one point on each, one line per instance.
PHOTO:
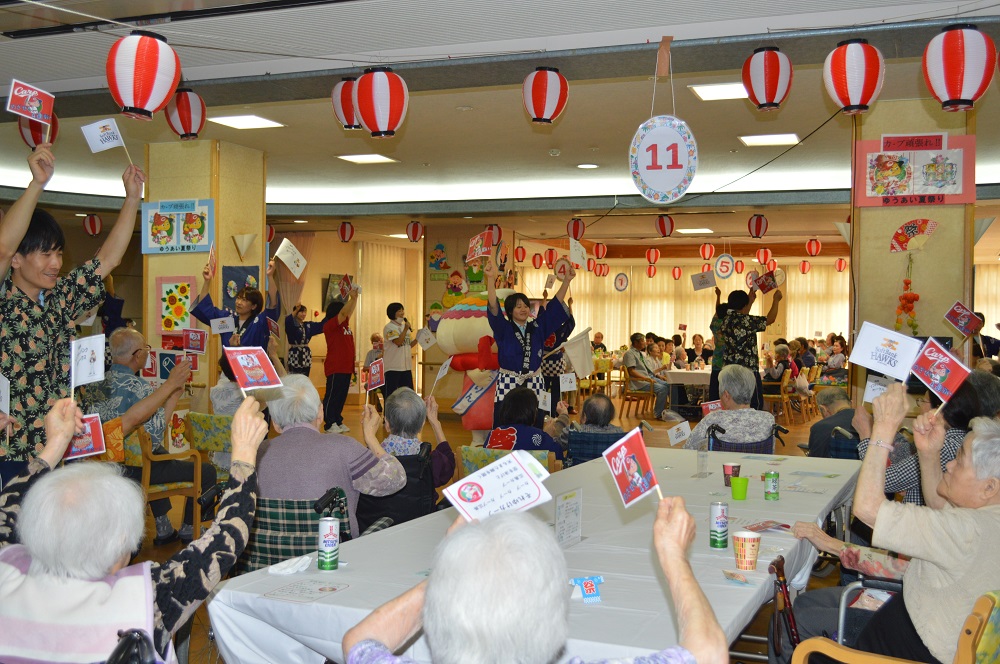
(567, 382)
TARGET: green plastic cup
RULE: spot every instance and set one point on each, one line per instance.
(739, 487)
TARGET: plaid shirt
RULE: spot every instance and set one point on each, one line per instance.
(903, 474)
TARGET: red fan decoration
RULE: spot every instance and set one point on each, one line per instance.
(958, 66)
(740, 266)
(143, 73)
(664, 225)
(772, 265)
(536, 261)
(92, 225)
(706, 251)
(33, 131)
(813, 247)
(519, 254)
(591, 264)
(763, 256)
(550, 257)
(767, 77)
(496, 233)
(346, 231)
(804, 267)
(414, 231)
(841, 264)
(343, 103)
(575, 228)
(853, 75)
(380, 99)
(650, 271)
(600, 251)
(652, 255)
(269, 232)
(676, 273)
(186, 114)
(545, 92)
(757, 225)
(707, 267)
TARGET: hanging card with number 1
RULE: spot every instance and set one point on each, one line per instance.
(663, 158)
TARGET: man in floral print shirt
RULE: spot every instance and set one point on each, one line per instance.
(38, 307)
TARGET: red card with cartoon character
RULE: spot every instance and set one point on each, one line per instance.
(195, 341)
(376, 374)
(963, 319)
(252, 367)
(631, 468)
(939, 370)
(89, 442)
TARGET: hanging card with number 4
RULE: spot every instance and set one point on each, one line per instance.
(663, 158)
(562, 268)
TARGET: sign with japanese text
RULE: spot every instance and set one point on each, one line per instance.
(938, 369)
(173, 227)
(512, 483)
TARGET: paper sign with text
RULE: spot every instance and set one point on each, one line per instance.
(708, 406)
(703, 280)
(550, 281)
(442, 372)
(291, 257)
(272, 327)
(875, 386)
(30, 102)
(252, 367)
(195, 340)
(511, 483)
(472, 395)
(569, 518)
(939, 370)
(222, 325)
(88, 442)
(679, 433)
(630, 467)
(149, 370)
(87, 360)
(963, 319)
(545, 401)
(885, 351)
(103, 135)
(346, 284)
(577, 254)
(426, 338)
(376, 375)
(172, 341)
(479, 246)
(567, 382)
(766, 282)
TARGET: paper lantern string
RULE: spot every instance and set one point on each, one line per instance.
(589, 587)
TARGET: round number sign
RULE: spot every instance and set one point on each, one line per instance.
(725, 266)
(752, 277)
(561, 268)
(621, 281)
(663, 158)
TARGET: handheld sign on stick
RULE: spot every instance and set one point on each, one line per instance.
(104, 135)
(376, 375)
(939, 370)
(252, 368)
(631, 468)
(513, 483)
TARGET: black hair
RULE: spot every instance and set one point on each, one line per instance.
(678, 340)
(962, 407)
(599, 409)
(987, 388)
(519, 406)
(43, 234)
(254, 297)
(721, 310)
(636, 336)
(226, 369)
(333, 309)
(781, 341)
(297, 308)
(738, 300)
(392, 310)
(511, 301)
(652, 334)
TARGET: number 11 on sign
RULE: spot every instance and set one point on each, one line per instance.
(654, 164)
(663, 159)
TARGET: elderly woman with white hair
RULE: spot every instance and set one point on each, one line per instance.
(525, 609)
(405, 415)
(742, 423)
(67, 588)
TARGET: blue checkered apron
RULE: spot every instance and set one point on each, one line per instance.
(508, 380)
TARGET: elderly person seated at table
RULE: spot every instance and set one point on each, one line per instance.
(302, 463)
(517, 425)
(836, 359)
(699, 350)
(775, 368)
(405, 414)
(526, 616)
(805, 357)
(595, 417)
(68, 586)
(824, 439)
(742, 423)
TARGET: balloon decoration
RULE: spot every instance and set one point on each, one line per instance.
(380, 99)
(551, 255)
(767, 77)
(757, 225)
(269, 232)
(650, 271)
(591, 264)
(342, 98)
(496, 233)
(804, 267)
(740, 266)
(841, 264)
(813, 247)
(664, 225)
(707, 267)
(772, 265)
(600, 251)
(763, 256)
(414, 231)
(575, 228)
(652, 255)
(519, 254)
(958, 66)
(544, 91)
(346, 231)
(706, 251)
(92, 225)
(143, 73)
(853, 75)
(536, 261)
(186, 114)
(676, 273)
(33, 131)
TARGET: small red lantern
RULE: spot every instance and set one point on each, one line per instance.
(92, 225)
(380, 99)
(143, 73)
(600, 251)
(740, 266)
(343, 103)
(676, 273)
(958, 66)
(707, 267)
(496, 233)
(804, 267)
(550, 257)
(763, 256)
(519, 254)
(706, 251)
(757, 225)
(414, 231)
(575, 228)
(605, 269)
(650, 271)
(544, 92)
(664, 225)
(652, 255)
(853, 75)
(767, 77)
(269, 232)
(813, 247)
(841, 264)
(186, 114)
(591, 264)
(33, 131)
(772, 265)
(536, 261)
(346, 231)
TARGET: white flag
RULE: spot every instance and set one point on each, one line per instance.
(580, 353)
(86, 360)
(577, 254)
(885, 351)
(103, 135)
(291, 257)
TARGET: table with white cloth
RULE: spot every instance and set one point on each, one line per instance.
(635, 615)
(685, 377)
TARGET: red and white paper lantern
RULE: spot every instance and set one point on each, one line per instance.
(536, 261)
(380, 99)
(143, 73)
(600, 251)
(706, 251)
(186, 114)
(545, 92)
(804, 267)
(575, 228)
(763, 256)
(652, 255)
(707, 267)
(767, 77)
(269, 233)
(520, 253)
(740, 266)
(958, 66)
(650, 271)
(33, 131)
(665, 225)
(813, 247)
(591, 264)
(841, 264)
(346, 231)
(496, 233)
(342, 98)
(853, 74)
(605, 269)
(772, 265)
(414, 231)
(676, 273)
(551, 255)
(757, 226)
(92, 225)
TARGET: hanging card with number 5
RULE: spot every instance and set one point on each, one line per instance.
(663, 158)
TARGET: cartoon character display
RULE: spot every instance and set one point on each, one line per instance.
(438, 258)
(474, 274)
(194, 228)
(161, 231)
(455, 290)
(889, 174)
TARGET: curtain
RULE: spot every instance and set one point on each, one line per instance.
(817, 301)
(987, 282)
(289, 287)
(382, 277)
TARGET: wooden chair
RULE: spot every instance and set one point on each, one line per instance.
(781, 399)
(470, 459)
(632, 397)
(978, 642)
(139, 453)
(602, 367)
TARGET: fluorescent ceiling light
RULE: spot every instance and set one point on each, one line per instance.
(80, 214)
(587, 166)
(769, 139)
(400, 236)
(367, 159)
(300, 221)
(692, 231)
(246, 122)
(719, 91)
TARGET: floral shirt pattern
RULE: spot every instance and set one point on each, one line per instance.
(120, 390)
(34, 351)
(739, 330)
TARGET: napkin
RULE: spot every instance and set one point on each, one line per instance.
(290, 566)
